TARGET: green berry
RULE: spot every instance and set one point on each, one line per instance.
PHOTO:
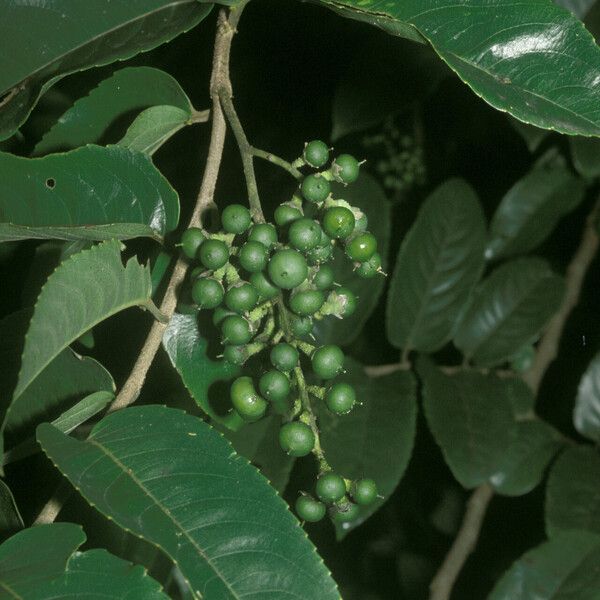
(263, 286)
(246, 401)
(300, 326)
(274, 385)
(361, 247)
(316, 153)
(220, 313)
(214, 254)
(323, 279)
(264, 233)
(191, 241)
(241, 298)
(197, 272)
(370, 268)
(304, 234)
(236, 219)
(236, 355)
(235, 330)
(319, 255)
(345, 168)
(347, 300)
(349, 512)
(286, 214)
(309, 509)
(340, 398)
(207, 293)
(364, 491)
(523, 360)
(361, 223)
(307, 302)
(296, 438)
(284, 357)
(338, 222)
(253, 256)
(328, 361)
(287, 269)
(330, 487)
(315, 188)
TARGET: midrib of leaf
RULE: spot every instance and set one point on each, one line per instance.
(129, 473)
(10, 591)
(91, 41)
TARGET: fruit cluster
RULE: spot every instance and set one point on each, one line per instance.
(267, 284)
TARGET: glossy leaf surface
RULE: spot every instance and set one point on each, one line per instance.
(42, 42)
(572, 497)
(187, 350)
(127, 90)
(90, 193)
(534, 60)
(531, 209)
(586, 415)
(376, 438)
(170, 478)
(86, 289)
(509, 310)
(439, 262)
(471, 419)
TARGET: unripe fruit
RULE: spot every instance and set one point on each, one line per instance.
(214, 254)
(241, 298)
(284, 357)
(287, 269)
(348, 513)
(345, 168)
(347, 299)
(207, 293)
(220, 313)
(323, 279)
(338, 222)
(340, 398)
(319, 255)
(191, 240)
(300, 326)
(286, 214)
(310, 510)
(523, 360)
(330, 487)
(274, 385)
(316, 153)
(235, 330)
(296, 438)
(263, 286)
(253, 256)
(369, 268)
(264, 233)
(327, 361)
(361, 247)
(236, 218)
(364, 491)
(315, 188)
(307, 302)
(236, 355)
(304, 234)
(246, 401)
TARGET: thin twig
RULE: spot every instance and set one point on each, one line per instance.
(131, 389)
(464, 543)
(276, 160)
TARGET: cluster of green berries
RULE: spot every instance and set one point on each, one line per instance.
(267, 283)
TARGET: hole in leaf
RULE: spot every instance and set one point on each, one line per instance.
(50, 183)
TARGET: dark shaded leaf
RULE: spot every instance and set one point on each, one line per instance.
(10, 518)
(586, 414)
(586, 156)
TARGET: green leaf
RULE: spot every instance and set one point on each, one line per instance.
(170, 478)
(564, 568)
(125, 91)
(537, 62)
(153, 127)
(509, 310)
(521, 398)
(366, 193)
(187, 350)
(91, 193)
(439, 262)
(36, 556)
(86, 289)
(376, 439)
(533, 446)
(572, 499)
(10, 518)
(530, 210)
(586, 414)
(42, 43)
(470, 417)
(586, 156)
